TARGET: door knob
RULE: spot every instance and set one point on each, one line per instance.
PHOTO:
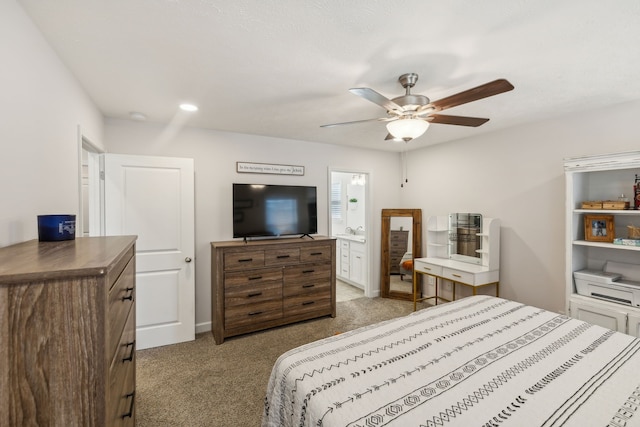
(187, 259)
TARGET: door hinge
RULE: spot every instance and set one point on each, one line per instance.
(102, 175)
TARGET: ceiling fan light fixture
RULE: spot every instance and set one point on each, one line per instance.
(407, 129)
(189, 107)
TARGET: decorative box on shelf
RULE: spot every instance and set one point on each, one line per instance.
(605, 204)
(592, 205)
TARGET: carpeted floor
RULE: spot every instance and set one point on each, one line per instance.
(200, 383)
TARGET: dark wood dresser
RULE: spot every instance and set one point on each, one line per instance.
(266, 283)
(398, 246)
(67, 332)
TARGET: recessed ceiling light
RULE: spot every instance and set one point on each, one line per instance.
(136, 115)
(188, 107)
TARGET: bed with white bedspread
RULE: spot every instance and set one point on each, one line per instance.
(478, 361)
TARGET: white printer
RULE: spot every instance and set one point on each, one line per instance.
(614, 283)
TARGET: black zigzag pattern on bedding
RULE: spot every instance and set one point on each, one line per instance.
(397, 358)
(445, 383)
(312, 359)
(407, 340)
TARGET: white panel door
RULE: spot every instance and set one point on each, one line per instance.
(153, 198)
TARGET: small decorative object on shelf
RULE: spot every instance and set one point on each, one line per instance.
(624, 199)
(626, 242)
(634, 232)
(599, 228)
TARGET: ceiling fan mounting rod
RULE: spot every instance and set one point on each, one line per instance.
(408, 81)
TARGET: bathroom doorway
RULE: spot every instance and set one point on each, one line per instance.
(350, 224)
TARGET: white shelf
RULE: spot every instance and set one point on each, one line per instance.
(607, 211)
(606, 245)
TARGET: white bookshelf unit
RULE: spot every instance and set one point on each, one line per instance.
(594, 178)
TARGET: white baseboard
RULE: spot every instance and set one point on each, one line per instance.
(203, 327)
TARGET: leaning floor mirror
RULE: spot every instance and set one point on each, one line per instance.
(401, 242)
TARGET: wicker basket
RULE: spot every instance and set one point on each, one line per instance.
(634, 232)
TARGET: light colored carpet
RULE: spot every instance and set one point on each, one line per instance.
(200, 383)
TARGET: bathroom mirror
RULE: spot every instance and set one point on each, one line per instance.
(465, 241)
(401, 241)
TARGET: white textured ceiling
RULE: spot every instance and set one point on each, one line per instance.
(282, 68)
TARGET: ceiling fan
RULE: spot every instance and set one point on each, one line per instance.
(409, 115)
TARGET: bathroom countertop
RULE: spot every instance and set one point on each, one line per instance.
(352, 237)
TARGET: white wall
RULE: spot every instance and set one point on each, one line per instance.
(215, 155)
(41, 108)
(517, 175)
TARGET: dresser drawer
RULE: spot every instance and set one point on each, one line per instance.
(252, 277)
(251, 314)
(121, 299)
(120, 266)
(398, 248)
(306, 273)
(243, 260)
(302, 304)
(282, 256)
(124, 415)
(307, 287)
(250, 294)
(315, 253)
(458, 276)
(122, 375)
(398, 235)
(425, 267)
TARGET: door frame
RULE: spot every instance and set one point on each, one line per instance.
(96, 188)
(369, 291)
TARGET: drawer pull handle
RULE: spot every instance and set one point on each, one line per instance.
(310, 285)
(456, 275)
(133, 399)
(427, 268)
(133, 349)
(316, 253)
(255, 278)
(308, 302)
(255, 313)
(284, 256)
(130, 296)
(254, 294)
(307, 271)
(245, 260)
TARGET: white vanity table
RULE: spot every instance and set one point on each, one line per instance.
(466, 254)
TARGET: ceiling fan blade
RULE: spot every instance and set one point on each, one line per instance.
(483, 91)
(376, 98)
(382, 119)
(456, 120)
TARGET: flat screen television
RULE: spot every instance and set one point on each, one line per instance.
(274, 210)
